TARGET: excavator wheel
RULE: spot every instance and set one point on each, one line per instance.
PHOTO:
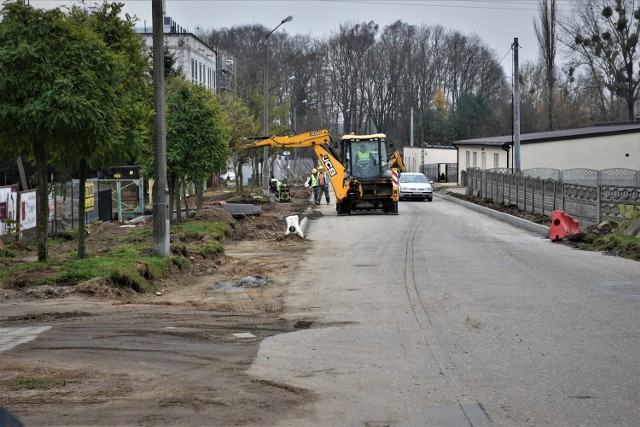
(390, 207)
(343, 208)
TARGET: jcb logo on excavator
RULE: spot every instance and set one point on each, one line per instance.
(328, 165)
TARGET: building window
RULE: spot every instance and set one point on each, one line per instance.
(468, 159)
(475, 159)
(484, 160)
(496, 158)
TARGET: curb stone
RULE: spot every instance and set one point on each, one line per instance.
(510, 219)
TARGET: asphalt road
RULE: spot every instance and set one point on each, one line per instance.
(443, 316)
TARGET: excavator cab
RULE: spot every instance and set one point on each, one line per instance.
(365, 156)
(365, 161)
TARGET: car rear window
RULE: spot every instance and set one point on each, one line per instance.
(413, 178)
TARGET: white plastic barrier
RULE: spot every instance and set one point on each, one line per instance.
(293, 226)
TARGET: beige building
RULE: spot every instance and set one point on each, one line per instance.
(599, 147)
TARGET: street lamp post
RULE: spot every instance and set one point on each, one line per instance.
(265, 161)
(295, 108)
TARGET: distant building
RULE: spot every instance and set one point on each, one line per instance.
(199, 63)
(415, 158)
(599, 147)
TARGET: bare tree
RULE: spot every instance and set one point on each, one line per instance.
(387, 77)
(603, 35)
(427, 70)
(346, 54)
(546, 34)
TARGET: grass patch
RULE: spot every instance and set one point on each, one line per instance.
(210, 249)
(616, 243)
(16, 269)
(127, 264)
(36, 383)
(8, 252)
(140, 235)
(195, 230)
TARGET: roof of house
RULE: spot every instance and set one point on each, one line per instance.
(556, 135)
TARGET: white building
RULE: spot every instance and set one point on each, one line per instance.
(606, 146)
(415, 158)
(199, 62)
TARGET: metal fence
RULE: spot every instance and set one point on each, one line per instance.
(105, 199)
(586, 194)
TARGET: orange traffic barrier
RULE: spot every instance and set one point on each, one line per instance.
(562, 225)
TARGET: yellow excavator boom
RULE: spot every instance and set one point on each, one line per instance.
(320, 142)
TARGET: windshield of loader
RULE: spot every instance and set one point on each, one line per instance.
(368, 157)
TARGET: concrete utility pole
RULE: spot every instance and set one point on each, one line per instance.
(160, 187)
(516, 108)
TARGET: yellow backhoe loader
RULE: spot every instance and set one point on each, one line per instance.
(356, 165)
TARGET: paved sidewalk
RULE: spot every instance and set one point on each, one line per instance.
(449, 186)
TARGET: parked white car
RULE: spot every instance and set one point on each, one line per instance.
(415, 185)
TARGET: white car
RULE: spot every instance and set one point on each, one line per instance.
(415, 185)
(229, 175)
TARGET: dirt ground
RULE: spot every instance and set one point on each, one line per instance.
(114, 356)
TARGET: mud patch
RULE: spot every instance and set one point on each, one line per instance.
(47, 317)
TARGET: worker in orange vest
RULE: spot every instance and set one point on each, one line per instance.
(323, 185)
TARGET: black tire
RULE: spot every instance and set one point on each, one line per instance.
(390, 207)
(343, 208)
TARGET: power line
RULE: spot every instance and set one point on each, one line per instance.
(505, 55)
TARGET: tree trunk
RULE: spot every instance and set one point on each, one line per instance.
(176, 197)
(200, 193)
(42, 216)
(186, 200)
(171, 184)
(631, 85)
(239, 179)
(81, 208)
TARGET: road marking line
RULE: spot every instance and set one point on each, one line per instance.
(12, 337)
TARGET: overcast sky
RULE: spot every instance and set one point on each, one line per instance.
(497, 22)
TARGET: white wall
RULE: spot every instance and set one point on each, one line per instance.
(475, 155)
(619, 151)
(414, 157)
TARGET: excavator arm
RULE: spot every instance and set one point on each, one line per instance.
(307, 139)
(395, 162)
(343, 185)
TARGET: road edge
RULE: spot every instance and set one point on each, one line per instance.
(509, 219)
